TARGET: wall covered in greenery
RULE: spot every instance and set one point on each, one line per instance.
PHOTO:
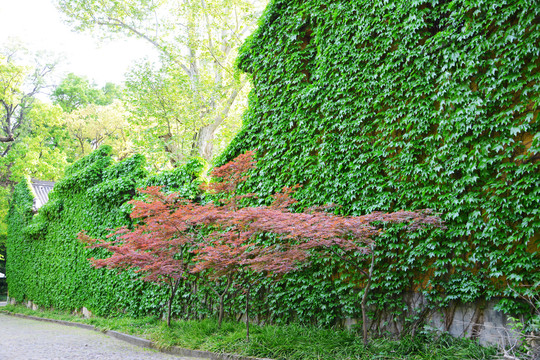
(387, 105)
(372, 105)
(46, 262)
(50, 267)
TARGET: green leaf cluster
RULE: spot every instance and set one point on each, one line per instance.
(75, 92)
(180, 179)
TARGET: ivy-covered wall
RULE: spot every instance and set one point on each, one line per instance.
(372, 105)
(48, 265)
(386, 105)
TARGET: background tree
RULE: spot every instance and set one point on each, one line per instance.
(197, 39)
(160, 110)
(19, 85)
(75, 92)
(92, 115)
(44, 151)
(94, 125)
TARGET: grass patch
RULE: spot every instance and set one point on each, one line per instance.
(292, 342)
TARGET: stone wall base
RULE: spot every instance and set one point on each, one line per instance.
(477, 320)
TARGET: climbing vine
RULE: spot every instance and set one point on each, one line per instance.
(46, 262)
(377, 105)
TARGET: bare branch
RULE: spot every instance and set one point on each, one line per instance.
(118, 23)
(7, 139)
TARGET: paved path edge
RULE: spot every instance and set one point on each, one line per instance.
(137, 341)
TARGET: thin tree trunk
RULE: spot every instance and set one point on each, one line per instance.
(364, 298)
(6, 150)
(169, 308)
(174, 287)
(81, 142)
(221, 297)
(221, 310)
(247, 313)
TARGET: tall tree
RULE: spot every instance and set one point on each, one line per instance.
(160, 109)
(92, 115)
(22, 77)
(198, 38)
(94, 125)
(44, 151)
(19, 85)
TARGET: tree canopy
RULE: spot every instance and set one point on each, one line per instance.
(75, 92)
(23, 76)
(195, 92)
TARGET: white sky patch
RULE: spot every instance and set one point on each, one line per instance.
(39, 26)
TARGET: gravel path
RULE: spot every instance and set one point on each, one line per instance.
(24, 339)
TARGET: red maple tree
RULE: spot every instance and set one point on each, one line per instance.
(232, 249)
(158, 247)
(163, 244)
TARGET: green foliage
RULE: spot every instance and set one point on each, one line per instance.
(75, 92)
(42, 152)
(86, 172)
(181, 179)
(377, 105)
(371, 105)
(48, 265)
(119, 180)
(20, 214)
(4, 208)
(158, 99)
